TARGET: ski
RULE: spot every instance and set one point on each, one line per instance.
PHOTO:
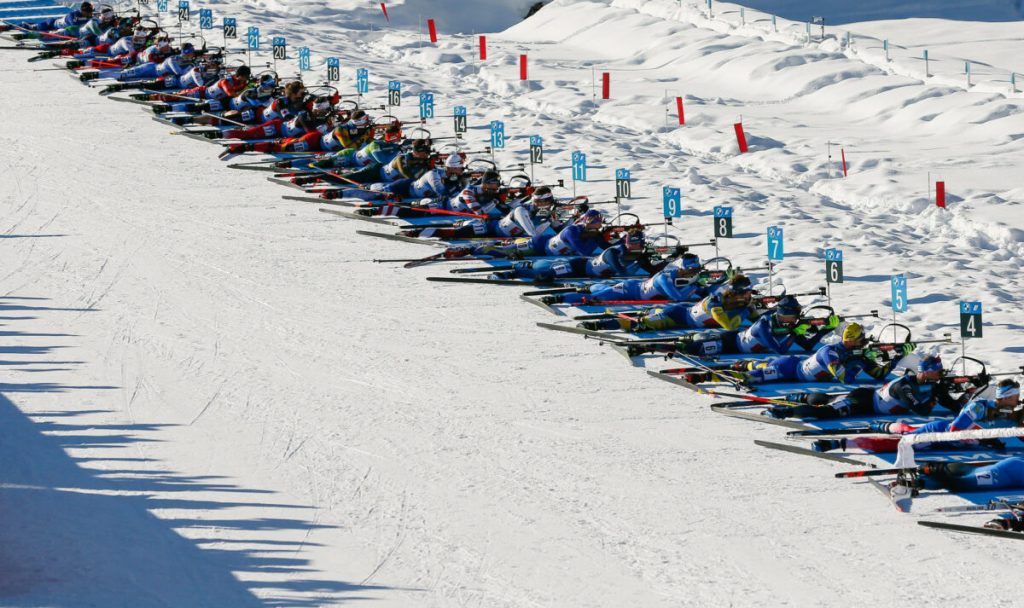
(356, 216)
(999, 503)
(287, 183)
(834, 432)
(938, 525)
(807, 452)
(571, 329)
(256, 167)
(399, 237)
(478, 281)
(895, 471)
(732, 413)
(308, 199)
(542, 305)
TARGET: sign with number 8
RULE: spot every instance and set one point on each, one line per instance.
(723, 222)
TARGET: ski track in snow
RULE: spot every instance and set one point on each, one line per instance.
(427, 445)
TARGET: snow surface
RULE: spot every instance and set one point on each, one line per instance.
(213, 397)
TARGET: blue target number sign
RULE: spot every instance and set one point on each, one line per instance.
(362, 81)
(579, 166)
(426, 105)
(671, 203)
(497, 134)
(898, 283)
(252, 38)
(776, 248)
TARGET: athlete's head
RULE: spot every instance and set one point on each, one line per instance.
(738, 292)
(266, 87)
(359, 121)
(188, 53)
(929, 369)
(542, 198)
(294, 91)
(490, 182)
(853, 336)
(1007, 394)
(86, 9)
(107, 16)
(453, 165)
(787, 311)
(591, 220)
(421, 149)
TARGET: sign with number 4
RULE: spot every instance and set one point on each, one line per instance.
(970, 319)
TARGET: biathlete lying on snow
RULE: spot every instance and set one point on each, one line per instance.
(840, 362)
(315, 131)
(73, 19)
(978, 413)
(772, 333)
(522, 217)
(585, 236)
(663, 285)
(918, 391)
(629, 256)
(436, 183)
(725, 309)
(1007, 474)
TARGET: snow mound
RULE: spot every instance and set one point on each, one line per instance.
(842, 11)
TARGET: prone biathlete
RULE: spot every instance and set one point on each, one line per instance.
(726, 309)
(437, 183)
(663, 285)
(978, 413)
(772, 333)
(840, 362)
(918, 391)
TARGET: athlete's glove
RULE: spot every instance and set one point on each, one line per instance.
(872, 353)
(905, 349)
(801, 329)
(702, 278)
(831, 323)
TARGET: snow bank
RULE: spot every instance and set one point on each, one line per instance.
(844, 11)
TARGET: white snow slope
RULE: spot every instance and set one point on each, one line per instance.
(213, 397)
